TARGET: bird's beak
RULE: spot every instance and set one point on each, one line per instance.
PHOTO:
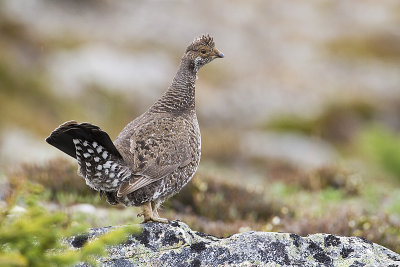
(218, 53)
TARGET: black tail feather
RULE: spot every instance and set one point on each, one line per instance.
(62, 137)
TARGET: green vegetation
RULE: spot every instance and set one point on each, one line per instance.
(31, 235)
(383, 148)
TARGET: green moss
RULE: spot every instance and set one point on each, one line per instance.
(282, 190)
(383, 148)
(330, 195)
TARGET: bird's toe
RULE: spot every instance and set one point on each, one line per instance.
(156, 219)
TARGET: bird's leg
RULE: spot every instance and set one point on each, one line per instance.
(147, 212)
(150, 216)
(155, 205)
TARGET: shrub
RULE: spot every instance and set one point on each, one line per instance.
(30, 235)
(218, 199)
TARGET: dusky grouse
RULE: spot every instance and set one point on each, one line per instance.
(156, 154)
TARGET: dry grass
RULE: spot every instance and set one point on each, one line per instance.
(219, 200)
(315, 180)
(57, 176)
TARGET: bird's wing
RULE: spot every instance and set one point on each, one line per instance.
(159, 148)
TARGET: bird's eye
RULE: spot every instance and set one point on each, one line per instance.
(203, 51)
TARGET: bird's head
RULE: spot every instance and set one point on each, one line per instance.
(202, 51)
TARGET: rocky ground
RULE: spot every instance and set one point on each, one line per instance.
(175, 244)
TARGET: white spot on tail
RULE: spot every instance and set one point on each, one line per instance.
(86, 155)
(114, 166)
(112, 175)
(105, 154)
(97, 159)
(85, 143)
(99, 149)
(90, 150)
(94, 144)
(76, 141)
(88, 164)
(107, 165)
(100, 167)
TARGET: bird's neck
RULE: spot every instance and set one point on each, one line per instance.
(180, 96)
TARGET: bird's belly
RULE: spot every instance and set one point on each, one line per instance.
(164, 188)
(173, 183)
(169, 185)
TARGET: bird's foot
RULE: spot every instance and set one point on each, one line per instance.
(156, 219)
(152, 218)
(149, 215)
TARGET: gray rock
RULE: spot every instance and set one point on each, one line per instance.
(175, 244)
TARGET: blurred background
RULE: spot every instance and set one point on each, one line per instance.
(300, 121)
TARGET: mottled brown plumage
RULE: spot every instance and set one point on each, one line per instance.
(156, 154)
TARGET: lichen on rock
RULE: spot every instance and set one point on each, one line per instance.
(175, 244)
